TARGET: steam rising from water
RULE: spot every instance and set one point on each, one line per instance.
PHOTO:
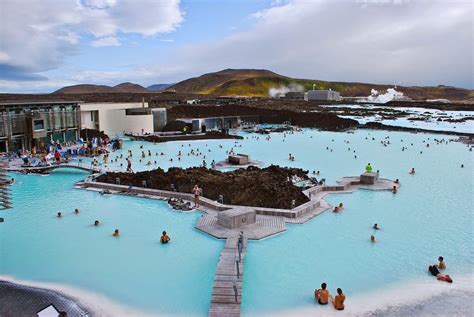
(389, 95)
(274, 92)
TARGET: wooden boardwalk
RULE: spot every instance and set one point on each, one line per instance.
(227, 288)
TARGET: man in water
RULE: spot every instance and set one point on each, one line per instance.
(441, 264)
(165, 238)
(322, 295)
(197, 193)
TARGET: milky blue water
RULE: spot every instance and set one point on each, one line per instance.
(430, 216)
(134, 269)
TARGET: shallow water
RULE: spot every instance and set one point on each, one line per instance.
(430, 216)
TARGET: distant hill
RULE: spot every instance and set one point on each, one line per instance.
(131, 88)
(91, 89)
(159, 87)
(258, 82)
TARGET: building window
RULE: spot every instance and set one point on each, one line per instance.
(38, 125)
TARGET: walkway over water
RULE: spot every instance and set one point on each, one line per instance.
(227, 287)
(38, 169)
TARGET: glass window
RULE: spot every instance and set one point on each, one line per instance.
(38, 125)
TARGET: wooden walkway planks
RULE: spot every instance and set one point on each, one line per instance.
(223, 300)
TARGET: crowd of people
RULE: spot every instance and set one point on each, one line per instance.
(58, 152)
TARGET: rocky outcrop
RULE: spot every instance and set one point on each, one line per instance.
(91, 133)
(320, 120)
(266, 187)
(211, 135)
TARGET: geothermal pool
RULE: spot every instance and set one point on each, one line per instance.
(431, 117)
(430, 216)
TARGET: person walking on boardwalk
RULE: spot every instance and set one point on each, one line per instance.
(197, 192)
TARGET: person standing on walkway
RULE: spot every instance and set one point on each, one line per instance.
(197, 192)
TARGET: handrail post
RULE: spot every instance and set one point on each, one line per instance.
(236, 293)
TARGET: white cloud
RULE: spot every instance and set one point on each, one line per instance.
(39, 34)
(4, 57)
(106, 41)
(401, 42)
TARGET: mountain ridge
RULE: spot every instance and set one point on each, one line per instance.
(259, 82)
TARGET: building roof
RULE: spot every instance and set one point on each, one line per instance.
(37, 102)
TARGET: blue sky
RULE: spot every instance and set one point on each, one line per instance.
(70, 42)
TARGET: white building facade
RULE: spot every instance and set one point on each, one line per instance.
(118, 118)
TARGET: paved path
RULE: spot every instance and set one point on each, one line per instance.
(224, 302)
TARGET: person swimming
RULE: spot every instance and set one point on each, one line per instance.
(439, 276)
(60, 214)
(341, 206)
(116, 233)
(394, 189)
(372, 239)
(164, 238)
(376, 227)
(338, 301)
(412, 172)
(397, 181)
(336, 209)
(96, 223)
(322, 295)
(76, 211)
